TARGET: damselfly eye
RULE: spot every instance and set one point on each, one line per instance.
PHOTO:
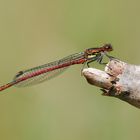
(108, 47)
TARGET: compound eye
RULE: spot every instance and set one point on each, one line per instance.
(108, 47)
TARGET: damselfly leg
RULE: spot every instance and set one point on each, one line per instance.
(109, 56)
(98, 58)
(93, 59)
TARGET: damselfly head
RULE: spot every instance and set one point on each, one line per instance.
(107, 47)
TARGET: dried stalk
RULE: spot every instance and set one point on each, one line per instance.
(119, 80)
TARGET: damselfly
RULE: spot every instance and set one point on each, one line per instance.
(44, 72)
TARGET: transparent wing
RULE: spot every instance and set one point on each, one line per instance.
(40, 78)
(45, 72)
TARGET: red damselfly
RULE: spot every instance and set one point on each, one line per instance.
(44, 72)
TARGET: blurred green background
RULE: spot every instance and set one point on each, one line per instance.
(65, 108)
